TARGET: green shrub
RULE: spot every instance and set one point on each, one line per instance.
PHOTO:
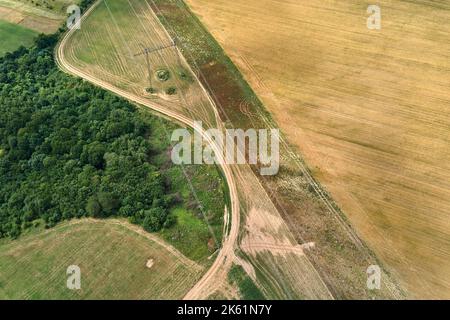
(163, 75)
(151, 90)
(171, 91)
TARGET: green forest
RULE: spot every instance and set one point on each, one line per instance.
(69, 150)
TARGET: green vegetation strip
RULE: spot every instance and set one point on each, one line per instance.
(246, 286)
(217, 72)
(13, 36)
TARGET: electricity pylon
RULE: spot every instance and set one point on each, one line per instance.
(147, 51)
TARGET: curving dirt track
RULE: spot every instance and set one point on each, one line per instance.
(258, 238)
(226, 254)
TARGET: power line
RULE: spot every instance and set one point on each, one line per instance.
(147, 51)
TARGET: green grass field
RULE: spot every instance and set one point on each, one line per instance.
(111, 254)
(13, 36)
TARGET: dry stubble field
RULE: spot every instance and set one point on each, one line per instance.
(113, 257)
(367, 109)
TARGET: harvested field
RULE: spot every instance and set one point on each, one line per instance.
(14, 36)
(122, 43)
(367, 109)
(33, 17)
(113, 257)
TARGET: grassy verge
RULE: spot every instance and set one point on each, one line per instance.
(198, 230)
(338, 260)
(247, 288)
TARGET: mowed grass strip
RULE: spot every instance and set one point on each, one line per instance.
(13, 36)
(113, 258)
(198, 232)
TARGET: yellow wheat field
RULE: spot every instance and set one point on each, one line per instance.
(368, 109)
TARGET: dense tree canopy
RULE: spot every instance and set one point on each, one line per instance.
(69, 149)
